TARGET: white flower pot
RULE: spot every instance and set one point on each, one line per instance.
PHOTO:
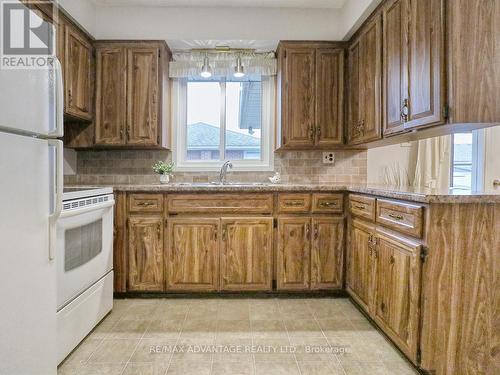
(164, 179)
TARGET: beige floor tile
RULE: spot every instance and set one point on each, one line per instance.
(303, 328)
(190, 368)
(273, 350)
(262, 329)
(102, 330)
(335, 326)
(142, 310)
(153, 350)
(233, 350)
(95, 369)
(312, 349)
(170, 311)
(235, 312)
(268, 311)
(114, 351)
(198, 329)
(233, 328)
(165, 329)
(232, 368)
(82, 352)
(194, 349)
(129, 329)
(276, 368)
(320, 368)
(202, 312)
(159, 368)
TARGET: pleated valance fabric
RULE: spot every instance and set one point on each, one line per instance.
(188, 64)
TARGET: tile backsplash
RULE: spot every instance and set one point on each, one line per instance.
(301, 167)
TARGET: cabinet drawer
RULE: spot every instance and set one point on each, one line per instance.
(328, 203)
(221, 203)
(362, 206)
(290, 203)
(145, 203)
(403, 217)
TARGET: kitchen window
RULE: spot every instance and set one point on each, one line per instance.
(221, 119)
(467, 162)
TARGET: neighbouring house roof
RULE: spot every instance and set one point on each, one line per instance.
(202, 136)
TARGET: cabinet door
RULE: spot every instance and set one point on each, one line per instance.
(398, 291)
(78, 74)
(329, 96)
(145, 253)
(327, 253)
(299, 104)
(193, 253)
(111, 96)
(426, 63)
(293, 258)
(360, 280)
(142, 96)
(371, 81)
(395, 16)
(246, 255)
(354, 116)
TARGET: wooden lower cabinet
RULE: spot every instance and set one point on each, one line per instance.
(398, 267)
(360, 269)
(293, 254)
(327, 253)
(192, 249)
(145, 253)
(246, 253)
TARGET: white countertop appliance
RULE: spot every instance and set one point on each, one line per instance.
(31, 183)
(84, 263)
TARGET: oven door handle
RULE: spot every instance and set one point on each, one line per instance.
(84, 210)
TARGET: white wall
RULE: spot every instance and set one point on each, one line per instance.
(83, 12)
(198, 23)
(392, 164)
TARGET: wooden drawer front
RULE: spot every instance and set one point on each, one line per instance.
(403, 217)
(290, 203)
(145, 203)
(362, 206)
(221, 203)
(328, 203)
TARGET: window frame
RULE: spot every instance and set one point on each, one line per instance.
(179, 130)
(478, 159)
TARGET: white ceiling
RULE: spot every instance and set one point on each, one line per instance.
(302, 4)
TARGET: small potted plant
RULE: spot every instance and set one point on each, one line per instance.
(165, 170)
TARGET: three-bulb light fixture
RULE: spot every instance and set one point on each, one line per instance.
(206, 69)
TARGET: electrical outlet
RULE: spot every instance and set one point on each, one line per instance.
(328, 158)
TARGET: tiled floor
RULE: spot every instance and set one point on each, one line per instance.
(235, 337)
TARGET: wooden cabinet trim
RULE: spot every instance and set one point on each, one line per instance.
(403, 217)
(220, 203)
(328, 203)
(144, 203)
(362, 206)
(294, 202)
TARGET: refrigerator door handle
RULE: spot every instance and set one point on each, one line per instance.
(58, 196)
(59, 130)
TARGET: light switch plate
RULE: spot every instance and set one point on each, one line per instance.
(328, 157)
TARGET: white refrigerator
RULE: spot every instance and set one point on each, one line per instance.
(31, 183)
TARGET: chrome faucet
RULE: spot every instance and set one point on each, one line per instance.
(223, 172)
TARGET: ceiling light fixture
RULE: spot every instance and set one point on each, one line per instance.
(206, 69)
(239, 70)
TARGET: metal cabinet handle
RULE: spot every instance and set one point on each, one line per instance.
(308, 231)
(158, 230)
(328, 204)
(316, 231)
(318, 131)
(359, 207)
(496, 183)
(294, 203)
(396, 216)
(224, 233)
(392, 259)
(405, 110)
(145, 204)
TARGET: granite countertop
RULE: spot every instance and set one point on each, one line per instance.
(404, 193)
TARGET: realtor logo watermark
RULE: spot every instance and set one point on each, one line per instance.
(27, 41)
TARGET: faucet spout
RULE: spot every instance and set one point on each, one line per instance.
(223, 172)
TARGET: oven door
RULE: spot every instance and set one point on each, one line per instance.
(84, 249)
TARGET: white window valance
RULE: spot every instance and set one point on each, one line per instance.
(188, 64)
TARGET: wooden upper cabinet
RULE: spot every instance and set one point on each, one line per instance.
(111, 95)
(312, 94)
(327, 253)
(145, 253)
(398, 267)
(78, 74)
(395, 87)
(142, 94)
(365, 60)
(426, 79)
(360, 270)
(246, 256)
(329, 96)
(293, 253)
(299, 68)
(193, 254)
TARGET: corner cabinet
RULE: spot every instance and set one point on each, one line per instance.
(365, 84)
(132, 94)
(311, 97)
